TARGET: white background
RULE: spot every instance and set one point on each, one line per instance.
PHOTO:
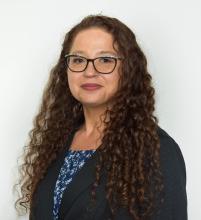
(31, 34)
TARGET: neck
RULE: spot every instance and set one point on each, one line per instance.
(93, 120)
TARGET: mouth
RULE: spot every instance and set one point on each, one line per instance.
(91, 86)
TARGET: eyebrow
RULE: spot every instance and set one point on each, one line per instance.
(80, 52)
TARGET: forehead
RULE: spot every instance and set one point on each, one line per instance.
(93, 41)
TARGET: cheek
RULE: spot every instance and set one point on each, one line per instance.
(71, 83)
(114, 82)
(112, 87)
(72, 79)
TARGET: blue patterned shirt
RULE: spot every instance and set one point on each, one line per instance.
(73, 161)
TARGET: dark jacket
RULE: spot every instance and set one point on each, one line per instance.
(75, 201)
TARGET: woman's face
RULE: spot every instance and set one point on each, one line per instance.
(92, 43)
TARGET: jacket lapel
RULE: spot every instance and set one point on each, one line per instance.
(80, 182)
(43, 197)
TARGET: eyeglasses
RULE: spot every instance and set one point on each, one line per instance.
(104, 64)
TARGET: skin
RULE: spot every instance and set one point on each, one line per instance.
(91, 42)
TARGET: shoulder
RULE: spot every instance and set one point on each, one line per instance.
(171, 154)
(174, 176)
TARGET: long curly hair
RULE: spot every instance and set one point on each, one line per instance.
(130, 147)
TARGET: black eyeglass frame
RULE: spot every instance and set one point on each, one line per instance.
(92, 60)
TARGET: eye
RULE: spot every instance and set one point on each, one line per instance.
(77, 60)
(105, 59)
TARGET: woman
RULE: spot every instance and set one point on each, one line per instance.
(96, 150)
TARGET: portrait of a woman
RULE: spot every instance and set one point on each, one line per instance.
(96, 150)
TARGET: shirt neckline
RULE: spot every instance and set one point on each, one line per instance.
(82, 150)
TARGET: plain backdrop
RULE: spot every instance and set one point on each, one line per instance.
(31, 34)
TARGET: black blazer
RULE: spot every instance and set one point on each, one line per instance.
(76, 197)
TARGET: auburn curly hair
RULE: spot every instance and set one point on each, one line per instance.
(130, 147)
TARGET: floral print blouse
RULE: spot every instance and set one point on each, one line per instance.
(73, 161)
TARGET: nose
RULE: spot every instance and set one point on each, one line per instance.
(90, 70)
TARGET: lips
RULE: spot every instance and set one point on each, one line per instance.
(90, 85)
